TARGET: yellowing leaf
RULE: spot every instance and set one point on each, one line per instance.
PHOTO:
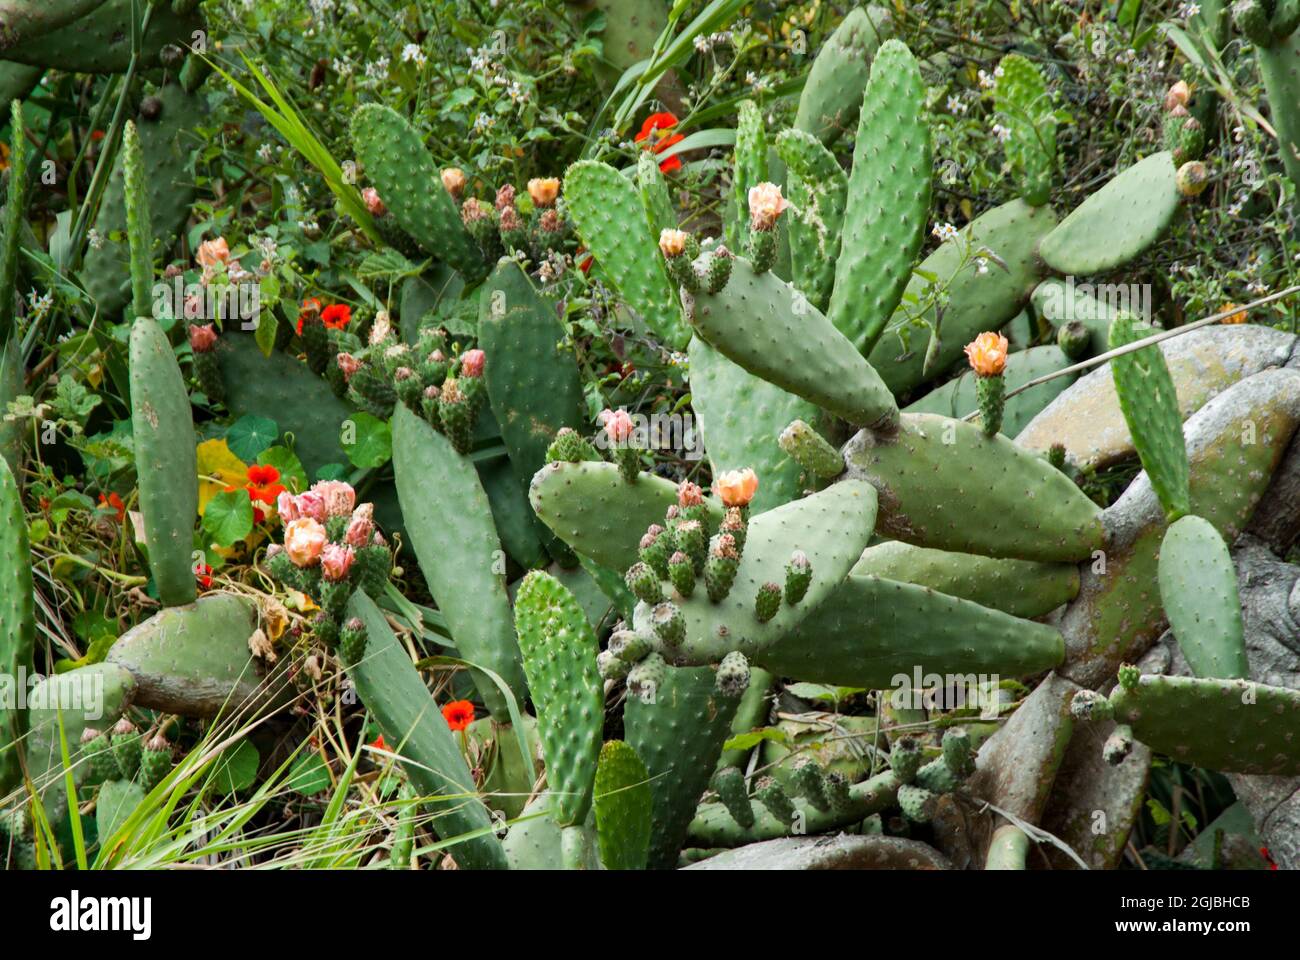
(218, 469)
(301, 602)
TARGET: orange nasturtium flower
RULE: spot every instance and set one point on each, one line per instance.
(336, 316)
(656, 130)
(1237, 316)
(459, 714)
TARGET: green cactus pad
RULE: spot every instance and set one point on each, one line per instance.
(533, 382)
(1233, 726)
(559, 653)
(818, 191)
(24, 22)
(194, 661)
(740, 417)
(624, 804)
(1279, 68)
(394, 693)
(1198, 587)
(832, 94)
(1022, 588)
(1150, 405)
(521, 534)
(1059, 303)
(811, 451)
(748, 170)
(449, 523)
(943, 483)
(537, 843)
(832, 527)
(17, 622)
(115, 802)
(679, 735)
(139, 224)
(976, 302)
(165, 460)
(166, 142)
(410, 184)
(608, 215)
(591, 508)
(957, 398)
(655, 199)
(1117, 223)
(888, 199)
(770, 329)
(870, 631)
(14, 210)
(1025, 108)
(100, 41)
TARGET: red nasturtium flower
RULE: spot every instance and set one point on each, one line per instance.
(204, 577)
(264, 483)
(378, 743)
(459, 714)
(655, 130)
(309, 306)
(114, 503)
(336, 316)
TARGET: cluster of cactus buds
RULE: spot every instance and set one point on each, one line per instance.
(1184, 136)
(499, 228)
(435, 378)
(331, 548)
(690, 269)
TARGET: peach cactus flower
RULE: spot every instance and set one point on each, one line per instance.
(338, 496)
(336, 560)
(689, 494)
(453, 181)
(617, 423)
(304, 539)
(765, 205)
(672, 243)
(361, 527)
(1178, 95)
(736, 487)
(543, 191)
(471, 363)
(988, 354)
(213, 252)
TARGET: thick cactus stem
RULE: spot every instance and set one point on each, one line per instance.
(811, 451)
(917, 803)
(905, 759)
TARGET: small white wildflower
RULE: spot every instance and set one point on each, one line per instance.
(981, 265)
(94, 238)
(265, 153)
(484, 122)
(986, 81)
(39, 306)
(956, 105)
(321, 7)
(349, 171)
(944, 231)
(1188, 10)
(342, 67)
(702, 44)
(1002, 133)
(411, 53)
(377, 69)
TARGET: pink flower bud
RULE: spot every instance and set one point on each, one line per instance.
(286, 505)
(348, 364)
(689, 494)
(617, 423)
(505, 198)
(765, 205)
(336, 560)
(375, 205)
(471, 364)
(311, 504)
(361, 527)
(202, 338)
(338, 496)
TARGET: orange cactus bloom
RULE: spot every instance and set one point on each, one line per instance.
(988, 354)
(736, 487)
(1238, 315)
(656, 130)
(459, 714)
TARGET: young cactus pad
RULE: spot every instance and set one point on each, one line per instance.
(17, 621)
(1198, 587)
(559, 650)
(624, 806)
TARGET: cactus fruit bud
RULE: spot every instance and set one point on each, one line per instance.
(1184, 137)
(837, 792)
(729, 784)
(798, 577)
(689, 494)
(1129, 676)
(767, 602)
(514, 235)
(453, 181)
(126, 747)
(472, 362)
(1056, 456)
(645, 679)
(103, 762)
(543, 191)
(643, 583)
(808, 448)
(1090, 705)
(88, 734)
(957, 750)
(681, 571)
(352, 642)
(505, 197)
(717, 271)
(1118, 745)
(905, 759)
(736, 488)
(720, 568)
(668, 623)
(155, 761)
(1074, 339)
(1192, 178)
(619, 428)
(569, 447)
(917, 803)
(809, 783)
(691, 540)
(611, 667)
(1252, 18)
(761, 250)
(937, 777)
(374, 203)
(769, 793)
(733, 523)
(655, 549)
(990, 396)
(732, 678)
(629, 646)
(1178, 95)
